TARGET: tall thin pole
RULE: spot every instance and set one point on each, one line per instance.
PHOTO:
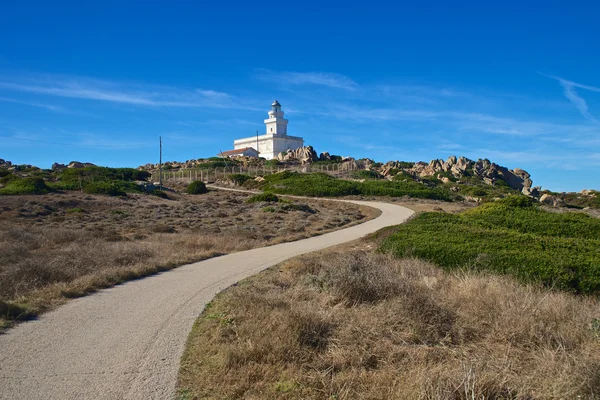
(160, 165)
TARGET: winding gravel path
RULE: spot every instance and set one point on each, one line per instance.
(126, 342)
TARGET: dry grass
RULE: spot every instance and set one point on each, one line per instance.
(66, 245)
(360, 325)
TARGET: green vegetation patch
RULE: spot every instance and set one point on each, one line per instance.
(263, 197)
(25, 186)
(112, 188)
(272, 163)
(323, 185)
(576, 200)
(239, 179)
(101, 174)
(196, 187)
(510, 237)
(366, 174)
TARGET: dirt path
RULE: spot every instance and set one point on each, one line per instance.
(126, 342)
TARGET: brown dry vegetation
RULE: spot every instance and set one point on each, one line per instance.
(66, 245)
(360, 325)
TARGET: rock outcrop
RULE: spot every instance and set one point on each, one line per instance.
(79, 165)
(4, 164)
(305, 155)
(324, 156)
(461, 167)
(58, 167)
(551, 200)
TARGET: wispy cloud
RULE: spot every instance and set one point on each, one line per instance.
(33, 104)
(80, 139)
(331, 80)
(571, 94)
(125, 93)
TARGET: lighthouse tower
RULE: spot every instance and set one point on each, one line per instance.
(274, 141)
(276, 124)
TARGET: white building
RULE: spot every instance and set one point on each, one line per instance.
(275, 140)
(245, 152)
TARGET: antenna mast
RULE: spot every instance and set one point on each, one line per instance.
(160, 165)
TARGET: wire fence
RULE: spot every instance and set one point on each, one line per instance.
(214, 174)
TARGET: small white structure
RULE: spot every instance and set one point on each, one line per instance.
(276, 139)
(245, 152)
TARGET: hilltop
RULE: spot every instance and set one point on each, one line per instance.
(453, 179)
(465, 179)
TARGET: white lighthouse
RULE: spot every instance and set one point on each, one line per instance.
(275, 140)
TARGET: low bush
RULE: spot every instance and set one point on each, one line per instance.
(196, 187)
(111, 188)
(101, 174)
(405, 164)
(272, 163)
(366, 174)
(403, 175)
(323, 185)
(159, 193)
(474, 191)
(511, 236)
(4, 172)
(25, 186)
(239, 179)
(263, 197)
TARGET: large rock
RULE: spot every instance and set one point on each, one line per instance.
(5, 164)
(305, 155)
(78, 165)
(551, 200)
(531, 191)
(450, 162)
(463, 163)
(324, 156)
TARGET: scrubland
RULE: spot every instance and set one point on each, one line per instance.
(487, 303)
(63, 245)
(361, 325)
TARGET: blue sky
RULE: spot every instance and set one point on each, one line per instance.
(515, 82)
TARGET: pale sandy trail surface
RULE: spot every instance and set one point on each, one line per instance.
(126, 342)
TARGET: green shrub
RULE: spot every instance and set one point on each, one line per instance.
(272, 163)
(75, 210)
(517, 202)
(510, 236)
(111, 188)
(239, 179)
(403, 175)
(270, 209)
(102, 174)
(4, 172)
(196, 187)
(446, 174)
(474, 191)
(323, 185)
(25, 186)
(405, 164)
(263, 197)
(159, 193)
(366, 174)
